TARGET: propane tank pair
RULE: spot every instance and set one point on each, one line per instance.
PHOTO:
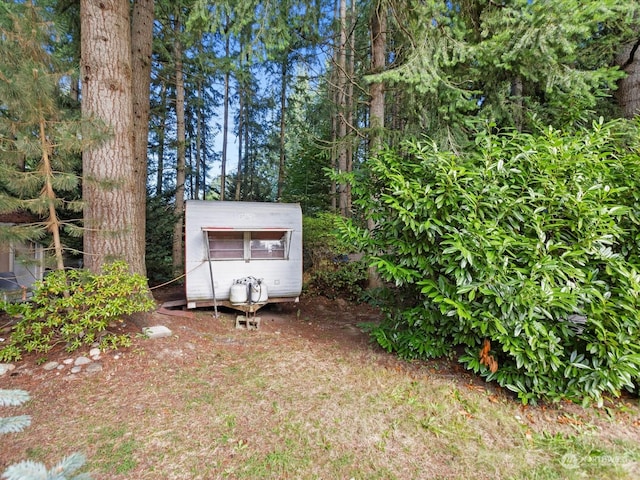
(248, 290)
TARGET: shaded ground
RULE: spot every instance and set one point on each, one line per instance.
(305, 396)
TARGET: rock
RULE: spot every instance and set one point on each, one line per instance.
(82, 361)
(50, 366)
(6, 368)
(93, 368)
(158, 331)
(76, 369)
(94, 352)
(68, 361)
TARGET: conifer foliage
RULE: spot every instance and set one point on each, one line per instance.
(41, 134)
(28, 469)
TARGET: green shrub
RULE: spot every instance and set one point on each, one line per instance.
(523, 249)
(329, 271)
(320, 240)
(160, 221)
(75, 307)
(342, 279)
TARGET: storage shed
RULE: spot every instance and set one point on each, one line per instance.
(21, 263)
(242, 254)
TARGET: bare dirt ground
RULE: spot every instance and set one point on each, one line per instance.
(305, 396)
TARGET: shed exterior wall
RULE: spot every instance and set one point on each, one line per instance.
(283, 278)
(24, 259)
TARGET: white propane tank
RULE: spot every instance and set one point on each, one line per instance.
(238, 294)
(259, 293)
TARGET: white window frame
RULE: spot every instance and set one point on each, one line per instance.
(286, 233)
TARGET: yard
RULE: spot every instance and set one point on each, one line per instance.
(306, 396)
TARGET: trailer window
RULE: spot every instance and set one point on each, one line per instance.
(268, 245)
(229, 245)
(248, 245)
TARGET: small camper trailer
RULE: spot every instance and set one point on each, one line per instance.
(21, 263)
(242, 254)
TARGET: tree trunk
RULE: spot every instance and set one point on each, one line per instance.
(376, 89)
(53, 222)
(283, 111)
(517, 102)
(350, 102)
(109, 171)
(225, 120)
(343, 205)
(334, 132)
(203, 148)
(199, 123)
(628, 93)
(190, 165)
(248, 165)
(141, 49)
(378, 25)
(161, 136)
(178, 256)
(241, 127)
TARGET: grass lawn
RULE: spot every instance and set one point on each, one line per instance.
(305, 397)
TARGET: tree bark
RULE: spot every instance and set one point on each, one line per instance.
(283, 112)
(161, 136)
(199, 143)
(376, 89)
(109, 171)
(343, 204)
(333, 192)
(517, 89)
(225, 121)
(248, 164)
(141, 49)
(50, 197)
(378, 26)
(350, 102)
(178, 255)
(628, 93)
(241, 127)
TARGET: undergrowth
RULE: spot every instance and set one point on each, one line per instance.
(76, 308)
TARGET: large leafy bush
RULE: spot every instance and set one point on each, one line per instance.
(520, 253)
(75, 308)
(329, 270)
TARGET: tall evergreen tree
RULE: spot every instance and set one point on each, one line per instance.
(41, 132)
(109, 171)
(178, 53)
(142, 17)
(506, 62)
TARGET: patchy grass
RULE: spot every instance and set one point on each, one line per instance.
(307, 400)
(116, 450)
